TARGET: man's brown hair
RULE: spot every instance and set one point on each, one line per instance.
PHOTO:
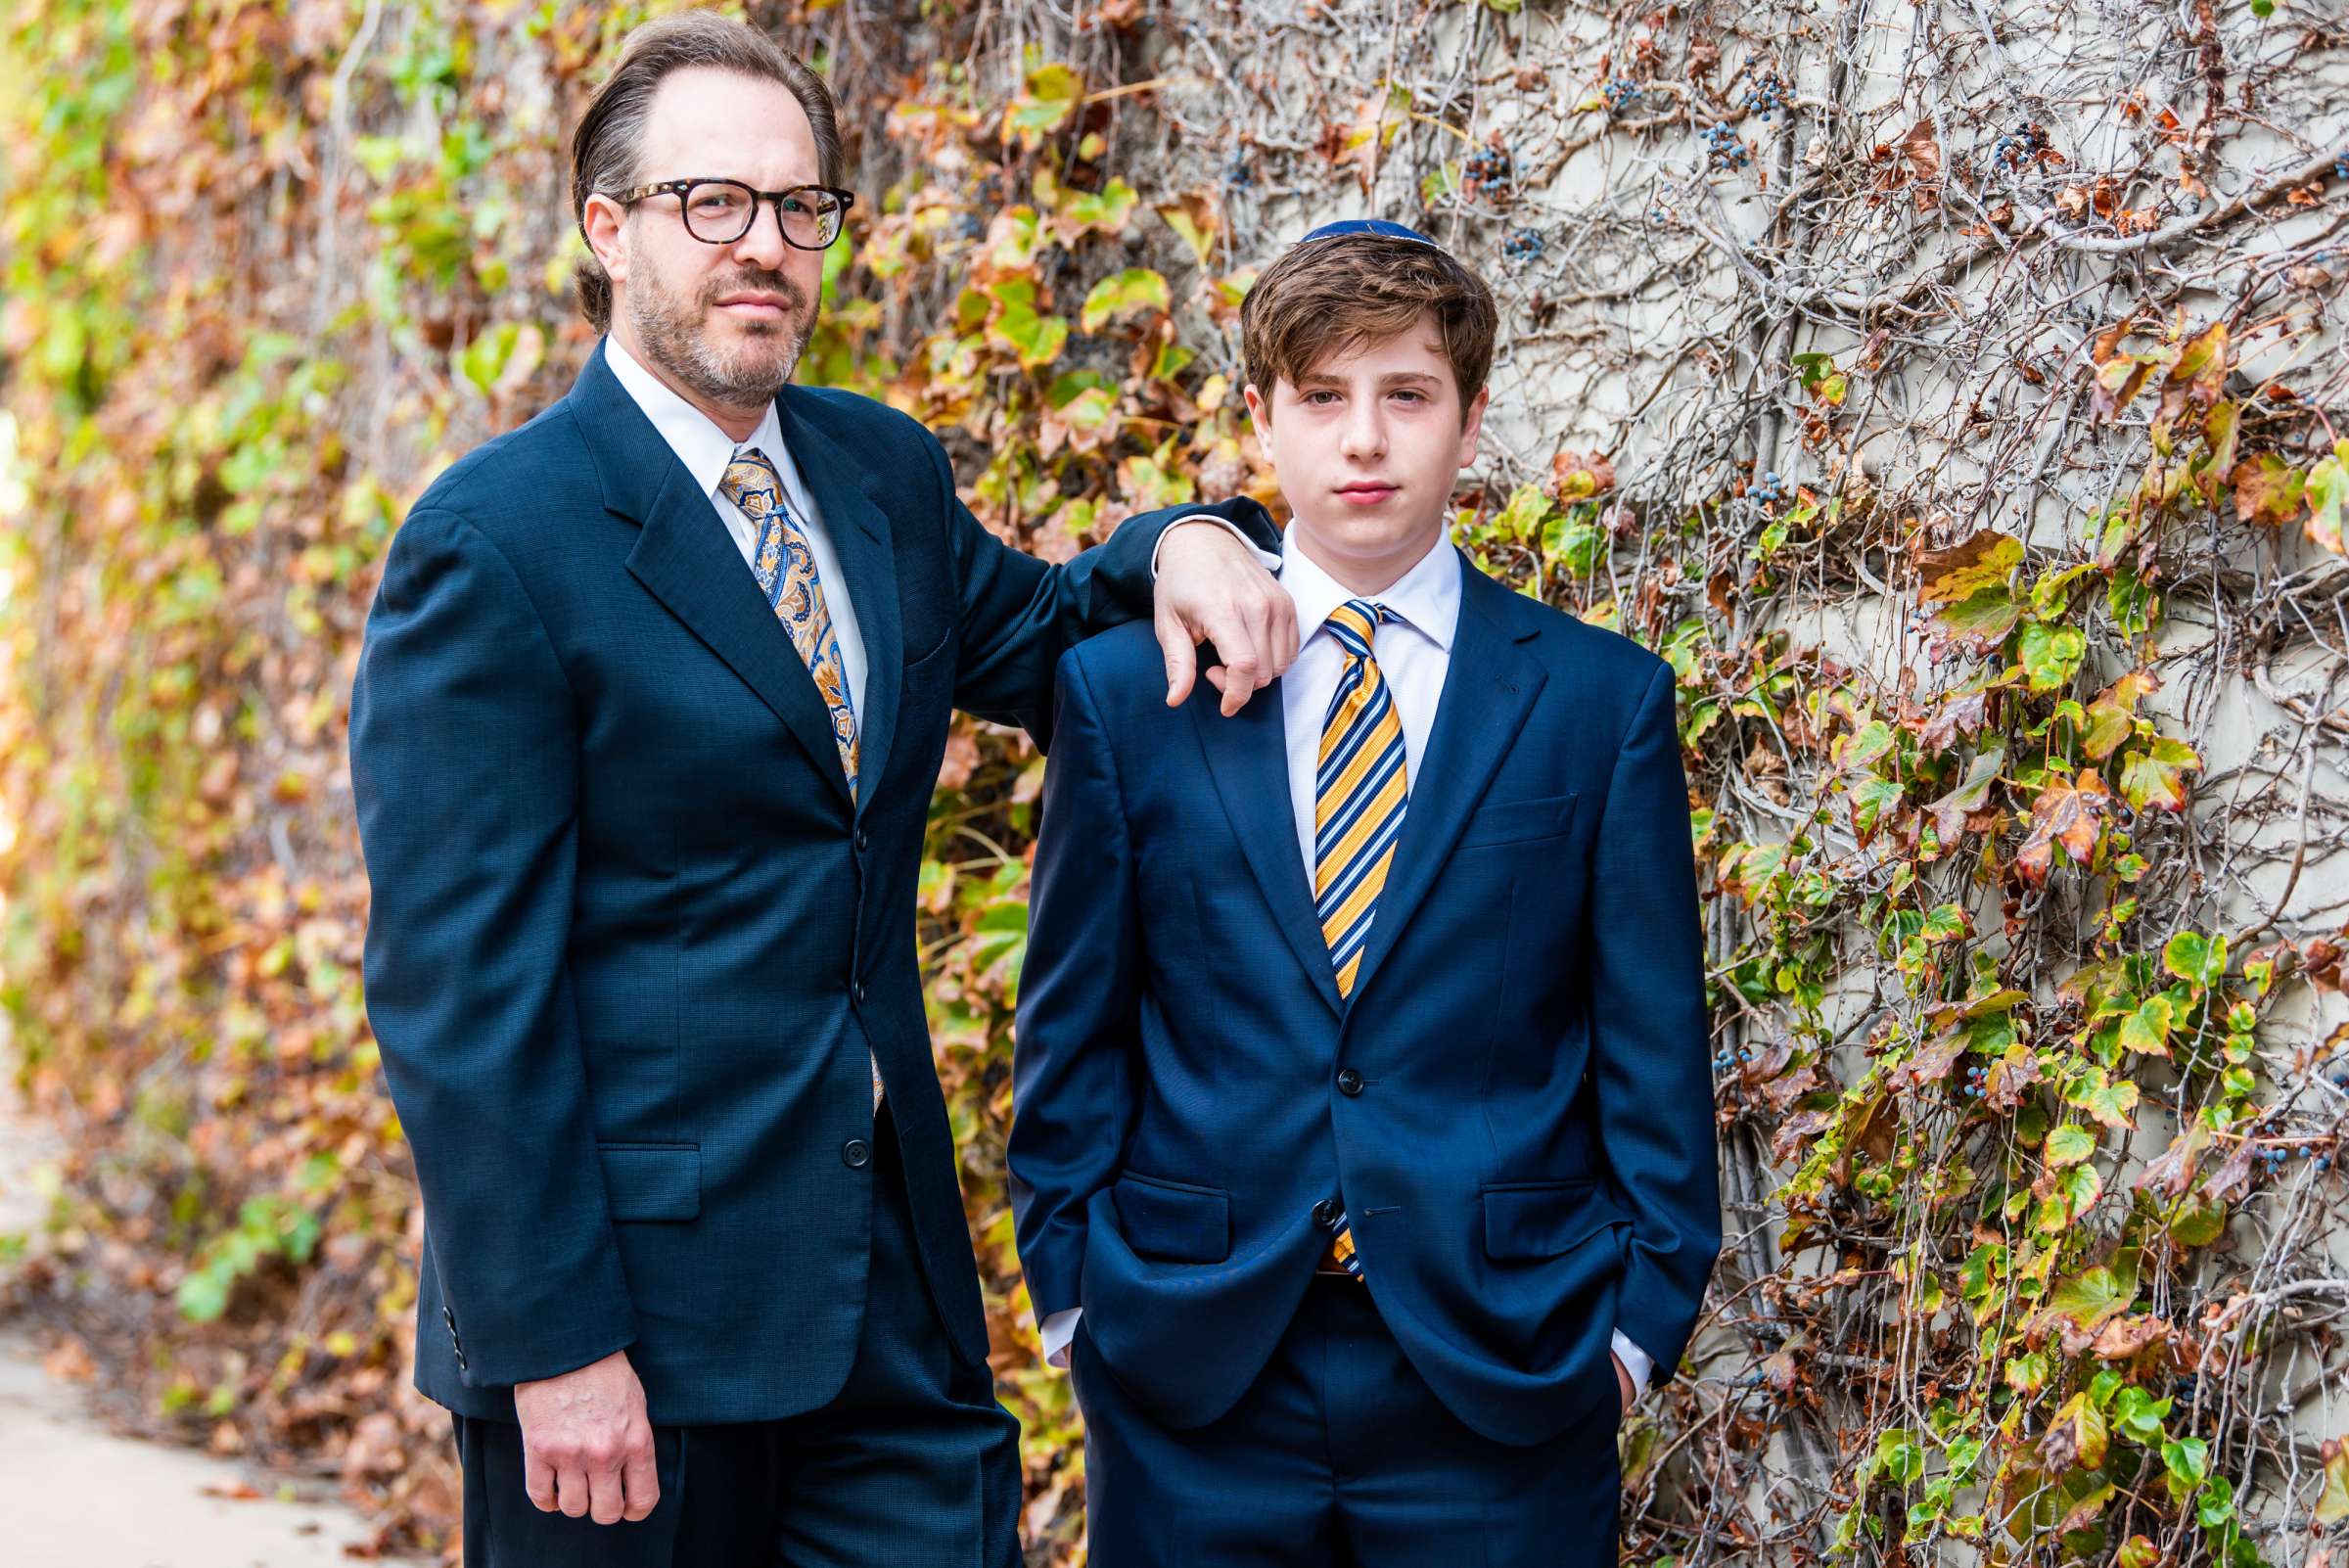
(607, 149)
(1326, 298)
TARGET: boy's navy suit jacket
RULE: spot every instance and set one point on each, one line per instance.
(630, 940)
(1514, 1107)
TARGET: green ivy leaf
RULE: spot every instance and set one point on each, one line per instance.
(1103, 212)
(2146, 1029)
(2093, 1297)
(1052, 94)
(2196, 959)
(1900, 1456)
(2155, 778)
(2069, 1144)
(1134, 291)
(2186, 1465)
(2050, 654)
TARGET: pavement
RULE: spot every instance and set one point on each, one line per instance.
(73, 1495)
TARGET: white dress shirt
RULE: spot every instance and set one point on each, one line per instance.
(706, 451)
(1414, 654)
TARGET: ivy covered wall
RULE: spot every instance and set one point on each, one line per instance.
(1954, 390)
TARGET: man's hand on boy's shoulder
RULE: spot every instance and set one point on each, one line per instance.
(1213, 587)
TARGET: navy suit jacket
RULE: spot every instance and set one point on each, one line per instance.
(1514, 1107)
(631, 941)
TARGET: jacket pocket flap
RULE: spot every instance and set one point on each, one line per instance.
(1181, 1223)
(652, 1181)
(1544, 1220)
(1513, 821)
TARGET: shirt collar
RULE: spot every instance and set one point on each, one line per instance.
(1427, 597)
(702, 447)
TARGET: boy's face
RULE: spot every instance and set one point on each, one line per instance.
(1366, 448)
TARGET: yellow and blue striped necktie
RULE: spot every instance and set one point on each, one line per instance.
(1359, 791)
(1360, 787)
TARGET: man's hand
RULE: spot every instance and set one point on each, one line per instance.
(1623, 1386)
(1212, 587)
(586, 1442)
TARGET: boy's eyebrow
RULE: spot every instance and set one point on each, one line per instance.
(1393, 377)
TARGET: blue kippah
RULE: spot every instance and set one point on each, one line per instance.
(1392, 231)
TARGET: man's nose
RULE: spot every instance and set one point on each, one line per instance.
(763, 243)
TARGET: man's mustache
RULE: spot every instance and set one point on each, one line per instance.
(757, 283)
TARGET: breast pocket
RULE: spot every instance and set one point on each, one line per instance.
(1517, 822)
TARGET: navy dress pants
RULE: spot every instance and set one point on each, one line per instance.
(1338, 1454)
(913, 1465)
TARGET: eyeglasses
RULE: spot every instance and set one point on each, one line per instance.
(722, 211)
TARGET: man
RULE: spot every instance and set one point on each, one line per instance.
(1347, 1171)
(645, 729)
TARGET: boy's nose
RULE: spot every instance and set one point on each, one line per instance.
(1365, 434)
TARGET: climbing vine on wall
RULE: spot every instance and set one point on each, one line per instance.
(1954, 393)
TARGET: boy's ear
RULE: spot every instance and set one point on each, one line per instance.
(1260, 413)
(1472, 424)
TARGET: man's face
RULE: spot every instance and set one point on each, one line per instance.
(726, 323)
(1366, 448)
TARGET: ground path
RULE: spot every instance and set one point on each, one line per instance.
(73, 1495)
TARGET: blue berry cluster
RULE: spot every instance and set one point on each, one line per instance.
(1490, 169)
(1767, 96)
(2340, 164)
(1977, 1081)
(2274, 1157)
(1523, 245)
(1723, 148)
(2016, 147)
(1771, 492)
(1624, 95)
(1726, 1058)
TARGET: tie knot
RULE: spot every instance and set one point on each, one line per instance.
(751, 482)
(1355, 623)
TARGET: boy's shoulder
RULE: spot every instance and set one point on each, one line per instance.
(1563, 640)
(1124, 675)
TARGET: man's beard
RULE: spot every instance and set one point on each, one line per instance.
(675, 336)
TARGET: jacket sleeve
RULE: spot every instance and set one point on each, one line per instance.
(1019, 615)
(1073, 1101)
(465, 768)
(1648, 1033)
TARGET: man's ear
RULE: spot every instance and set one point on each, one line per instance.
(600, 224)
(1260, 414)
(1472, 424)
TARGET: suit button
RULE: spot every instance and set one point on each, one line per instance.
(864, 840)
(1325, 1213)
(859, 992)
(1349, 1081)
(856, 1154)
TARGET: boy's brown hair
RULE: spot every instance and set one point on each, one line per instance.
(1328, 297)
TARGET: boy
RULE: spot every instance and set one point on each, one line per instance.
(1363, 1184)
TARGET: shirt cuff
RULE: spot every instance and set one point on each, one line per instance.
(1057, 1330)
(1636, 1362)
(1270, 559)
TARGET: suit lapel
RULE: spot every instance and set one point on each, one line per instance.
(1248, 756)
(685, 557)
(1489, 687)
(860, 538)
